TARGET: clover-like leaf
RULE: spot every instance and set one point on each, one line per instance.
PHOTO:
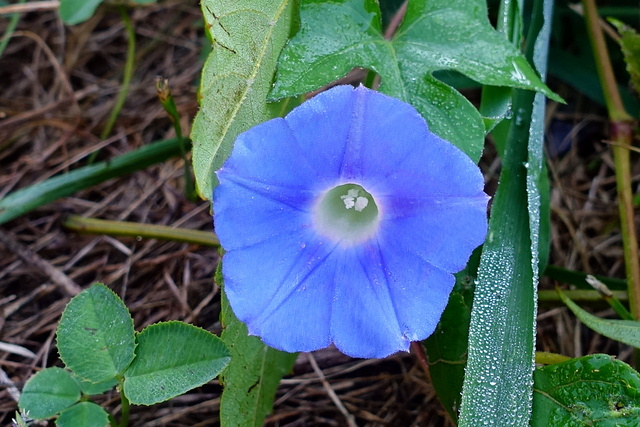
(85, 414)
(172, 358)
(49, 392)
(95, 335)
(336, 36)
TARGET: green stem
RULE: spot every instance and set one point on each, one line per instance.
(126, 78)
(621, 133)
(133, 229)
(13, 22)
(547, 296)
(166, 99)
(124, 420)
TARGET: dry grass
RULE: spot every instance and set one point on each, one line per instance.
(58, 85)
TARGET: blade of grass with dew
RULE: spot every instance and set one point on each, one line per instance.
(247, 37)
(497, 388)
(27, 199)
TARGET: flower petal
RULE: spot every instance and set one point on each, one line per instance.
(282, 290)
(364, 322)
(384, 133)
(322, 126)
(299, 289)
(433, 169)
(441, 232)
(269, 154)
(246, 216)
(419, 292)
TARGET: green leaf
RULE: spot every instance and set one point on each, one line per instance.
(74, 12)
(630, 44)
(48, 392)
(95, 335)
(26, 199)
(595, 390)
(251, 379)
(497, 384)
(626, 331)
(447, 346)
(89, 388)
(84, 414)
(336, 36)
(580, 74)
(247, 38)
(171, 359)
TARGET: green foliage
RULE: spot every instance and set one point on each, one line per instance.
(630, 44)
(48, 392)
(95, 335)
(252, 377)
(447, 347)
(247, 36)
(434, 35)
(96, 341)
(90, 388)
(595, 390)
(497, 384)
(75, 12)
(25, 200)
(189, 357)
(626, 331)
(85, 414)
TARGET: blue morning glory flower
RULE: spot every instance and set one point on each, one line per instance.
(343, 223)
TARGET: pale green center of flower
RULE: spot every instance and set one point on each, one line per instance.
(347, 213)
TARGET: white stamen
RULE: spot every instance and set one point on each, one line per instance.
(361, 203)
(348, 202)
(349, 199)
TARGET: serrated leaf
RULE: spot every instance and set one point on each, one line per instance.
(251, 379)
(595, 390)
(626, 331)
(74, 12)
(247, 38)
(95, 335)
(48, 392)
(90, 388)
(336, 36)
(83, 414)
(171, 359)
